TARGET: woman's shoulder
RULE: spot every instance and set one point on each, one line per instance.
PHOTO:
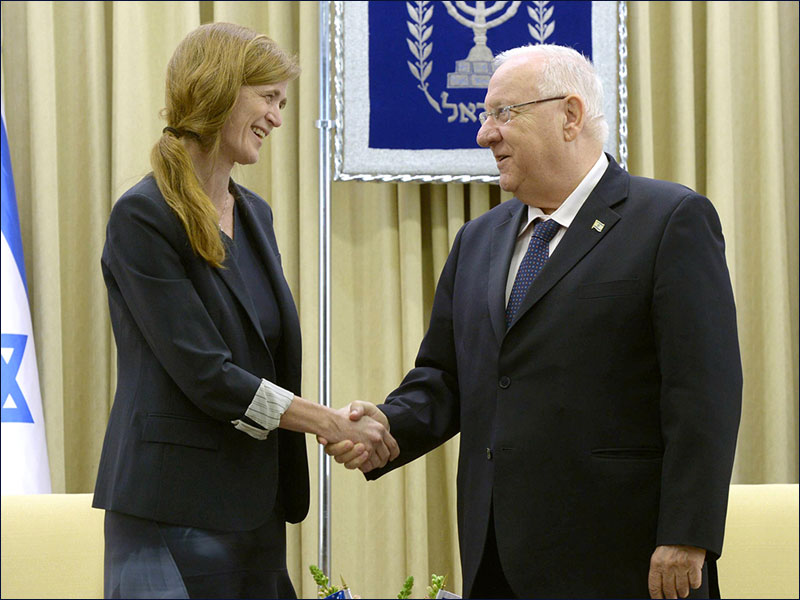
(144, 191)
(253, 202)
(143, 202)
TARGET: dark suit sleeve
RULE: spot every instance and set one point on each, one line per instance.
(698, 352)
(424, 411)
(145, 253)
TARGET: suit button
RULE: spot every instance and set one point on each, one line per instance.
(488, 454)
(505, 382)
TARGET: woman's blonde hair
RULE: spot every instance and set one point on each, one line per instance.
(204, 77)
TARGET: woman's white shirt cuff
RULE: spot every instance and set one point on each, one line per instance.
(266, 409)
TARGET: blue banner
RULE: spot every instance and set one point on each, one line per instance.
(427, 75)
(411, 78)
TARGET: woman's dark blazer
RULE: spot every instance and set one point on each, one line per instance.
(191, 356)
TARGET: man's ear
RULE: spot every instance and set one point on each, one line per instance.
(574, 113)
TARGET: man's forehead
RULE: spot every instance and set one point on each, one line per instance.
(513, 79)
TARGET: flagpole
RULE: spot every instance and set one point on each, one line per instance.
(324, 124)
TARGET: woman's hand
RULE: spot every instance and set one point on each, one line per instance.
(365, 442)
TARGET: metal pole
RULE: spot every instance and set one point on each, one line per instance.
(622, 11)
(324, 124)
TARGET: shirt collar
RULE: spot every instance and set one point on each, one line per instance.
(565, 213)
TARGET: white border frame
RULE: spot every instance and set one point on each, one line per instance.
(354, 159)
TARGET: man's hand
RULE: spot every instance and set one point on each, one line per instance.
(355, 455)
(674, 570)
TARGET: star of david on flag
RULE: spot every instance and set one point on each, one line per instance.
(25, 467)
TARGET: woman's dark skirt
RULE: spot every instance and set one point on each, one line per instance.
(148, 559)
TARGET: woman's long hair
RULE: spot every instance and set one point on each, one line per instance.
(204, 77)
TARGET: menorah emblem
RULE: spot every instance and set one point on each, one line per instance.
(476, 69)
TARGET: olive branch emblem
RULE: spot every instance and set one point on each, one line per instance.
(541, 15)
(421, 48)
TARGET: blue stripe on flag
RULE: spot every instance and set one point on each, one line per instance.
(10, 217)
(25, 466)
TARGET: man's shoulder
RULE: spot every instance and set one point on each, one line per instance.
(482, 226)
(661, 197)
(647, 187)
(499, 214)
(659, 201)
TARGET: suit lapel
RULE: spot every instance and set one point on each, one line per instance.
(504, 237)
(235, 282)
(290, 322)
(582, 234)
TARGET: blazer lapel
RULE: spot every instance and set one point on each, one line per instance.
(504, 237)
(234, 280)
(290, 322)
(582, 235)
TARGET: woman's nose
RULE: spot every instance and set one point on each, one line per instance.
(274, 116)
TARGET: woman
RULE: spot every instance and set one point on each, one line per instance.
(196, 484)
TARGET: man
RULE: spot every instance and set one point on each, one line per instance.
(592, 368)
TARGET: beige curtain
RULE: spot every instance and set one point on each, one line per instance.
(713, 103)
(713, 90)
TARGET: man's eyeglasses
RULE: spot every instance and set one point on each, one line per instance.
(503, 115)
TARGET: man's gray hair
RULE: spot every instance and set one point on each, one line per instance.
(566, 71)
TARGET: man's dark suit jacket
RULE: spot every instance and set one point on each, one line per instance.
(603, 422)
(191, 356)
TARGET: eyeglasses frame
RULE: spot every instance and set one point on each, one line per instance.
(484, 116)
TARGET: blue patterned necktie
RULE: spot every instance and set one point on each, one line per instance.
(535, 256)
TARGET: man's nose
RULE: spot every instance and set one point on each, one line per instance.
(488, 134)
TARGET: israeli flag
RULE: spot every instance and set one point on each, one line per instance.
(25, 468)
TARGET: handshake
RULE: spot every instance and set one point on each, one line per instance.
(360, 438)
